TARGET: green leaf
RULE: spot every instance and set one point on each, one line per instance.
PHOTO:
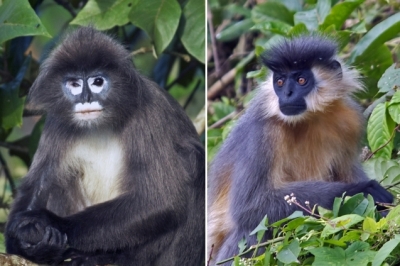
(261, 226)
(11, 105)
(309, 18)
(390, 80)
(235, 30)
(379, 130)
(193, 37)
(158, 18)
(17, 18)
(357, 204)
(377, 36)
(385, 251)
(323, 8)
(104, 14)
(294, 215)
(370, 225)
(271, 11)
(340, 12)
(289, 253)
(273, 26)
(337, 203)
(341, 223)
(298, 29)
(356, 254)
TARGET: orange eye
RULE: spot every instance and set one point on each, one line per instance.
(301, 81)
(280, 82)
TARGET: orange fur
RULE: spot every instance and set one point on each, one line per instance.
(219, 221)
(309, 149)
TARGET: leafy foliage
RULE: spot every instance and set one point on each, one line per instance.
(355, 235)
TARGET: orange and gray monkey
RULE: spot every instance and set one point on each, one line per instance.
(300, 135)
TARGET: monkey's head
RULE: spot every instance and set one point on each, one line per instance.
(88, 80)
(307, 77)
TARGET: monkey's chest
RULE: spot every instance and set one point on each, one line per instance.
(99, 162)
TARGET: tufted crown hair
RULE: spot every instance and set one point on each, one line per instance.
(301, 52)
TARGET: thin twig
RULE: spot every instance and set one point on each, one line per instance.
(182, 74)
(278, 239)
(214, 90)
(210, 256)
(14, 147)
(213, 42)
(223, 120)
(384, 145)
(192, 94)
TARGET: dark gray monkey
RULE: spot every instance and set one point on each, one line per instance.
(118, 177)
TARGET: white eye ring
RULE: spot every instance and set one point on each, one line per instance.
(75, 86)
(97, 84)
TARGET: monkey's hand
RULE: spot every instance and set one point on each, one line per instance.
(34, 235)
(373, 188)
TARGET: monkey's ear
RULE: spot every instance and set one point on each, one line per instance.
(336, 66)
(33, 101)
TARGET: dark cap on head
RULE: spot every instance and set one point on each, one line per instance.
(301, 52)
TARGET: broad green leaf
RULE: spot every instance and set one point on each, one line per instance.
(273, 26)
(385, 251)
(390, 80)
(242, 245)
(298, 29)
(261, 226)
(293, 224)
(193, 37)
(377, 36)
(104, 14)
(341, 223)
(309, 18)
(323, 8)
(17, 18)
(294, 215)
(11, 105)
(340, 12)
(2, 244)
(355, 205)
(158, 18)
(370, 225)
(271, 11)
(379, 130)
(235, 30)
(356, 254)
(289, 253)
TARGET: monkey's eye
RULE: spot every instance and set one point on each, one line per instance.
(75, 86)
(280, 82)
(97, 84)
(301, 81)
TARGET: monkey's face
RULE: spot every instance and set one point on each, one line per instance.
(87, 94)
(291, 88)
(304, 91)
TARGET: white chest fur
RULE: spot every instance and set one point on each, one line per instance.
(99, 159)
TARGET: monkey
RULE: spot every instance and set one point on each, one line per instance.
(300, 134)
(119, 174)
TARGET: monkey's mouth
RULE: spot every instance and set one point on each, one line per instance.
(88, 111)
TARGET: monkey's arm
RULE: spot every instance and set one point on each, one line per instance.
(119, 223)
